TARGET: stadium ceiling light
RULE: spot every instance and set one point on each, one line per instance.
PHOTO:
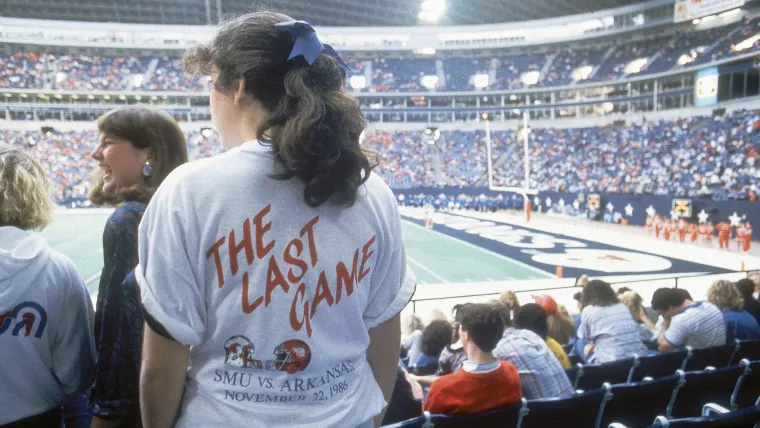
(429, 81)
(23, 95)
(480, 81)
(424, 51)
(154, 98)
(138, 98)
(106, 97)
(75, 97)
(58, 96)
(8, 95)
(91, 97)
(122, 97)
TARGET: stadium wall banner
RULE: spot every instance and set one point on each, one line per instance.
(686, 10)
(621, 204)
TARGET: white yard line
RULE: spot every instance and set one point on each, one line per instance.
(423, 267)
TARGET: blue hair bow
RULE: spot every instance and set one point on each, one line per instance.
(307, 43)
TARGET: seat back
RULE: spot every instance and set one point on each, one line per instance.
(593, 376)
(746, 349)
(656, 366)
(744, 418)
(580, 410)
(503, 417)
(716, 356)
(749, 390)
(417, 422)
(638, 404)
(709, 386)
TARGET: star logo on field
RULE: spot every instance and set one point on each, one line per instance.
(577, 205)
(734, 219)
(703, 217)
(651, 211)
(628, 210)
(548, 202)
(610, 207)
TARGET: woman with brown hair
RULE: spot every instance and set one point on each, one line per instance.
(46, 344)
(139, 147)
(273, 275)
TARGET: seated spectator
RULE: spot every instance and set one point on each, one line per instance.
(607, 327)
(634, 302)
(533, 317)
(578, 297)
(454, 354)
(484, 383)
(406, 400)
(46, 315)
(509, 298)
(412, 342)
(746, 288)
(739, 324)
(685, 323)
(541, 375)
(435, 337)
(582, 281)
(561, 328)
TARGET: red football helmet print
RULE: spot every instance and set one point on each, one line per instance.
(292, 356)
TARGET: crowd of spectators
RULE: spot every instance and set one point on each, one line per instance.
(30, 70)
(711, 157)
(487, 342)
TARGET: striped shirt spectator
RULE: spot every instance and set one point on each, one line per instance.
(541, 375)
(699, 325)
(613, 332)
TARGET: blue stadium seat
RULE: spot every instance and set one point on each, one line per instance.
(719, 386)
(581, 410)
(749, 390)
(592, 376)
(638, 404)
(746, 349)
(504, 417)
(424, 370)
(417, 422)
(716, 356)
(656, 366)
(714, 416)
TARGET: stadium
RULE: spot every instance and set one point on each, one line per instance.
(530, 146)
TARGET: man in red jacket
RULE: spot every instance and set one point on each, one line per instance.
(484, 383)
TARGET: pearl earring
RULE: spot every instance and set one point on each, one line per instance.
(147, 170)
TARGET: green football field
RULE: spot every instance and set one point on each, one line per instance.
(435, 258)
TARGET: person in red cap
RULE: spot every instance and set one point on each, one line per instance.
(560, 328)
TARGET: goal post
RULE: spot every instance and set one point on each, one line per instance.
(525, 190)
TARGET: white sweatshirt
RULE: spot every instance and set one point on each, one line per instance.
(46, 343)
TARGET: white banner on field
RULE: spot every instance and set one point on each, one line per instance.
(686, 10)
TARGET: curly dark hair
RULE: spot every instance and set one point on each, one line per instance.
(599, 293)
(435, 337)
(483, 323)
(312, 123)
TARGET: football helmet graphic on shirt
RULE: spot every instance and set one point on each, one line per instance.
(291, 356)
(240, 353)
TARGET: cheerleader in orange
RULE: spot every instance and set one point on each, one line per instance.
(710, 233)
(649, 224)
(673, 226)
(702, 230)
(724, 233)
(747, 237)
(739, 237)
(682, 226)
(658, 225)
(693, 233)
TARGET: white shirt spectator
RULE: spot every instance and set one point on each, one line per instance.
(274, 297)
(700, 326)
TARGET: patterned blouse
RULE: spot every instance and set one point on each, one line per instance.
(118, 319)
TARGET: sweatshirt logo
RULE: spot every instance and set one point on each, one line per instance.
(291, 356)
(26, 316)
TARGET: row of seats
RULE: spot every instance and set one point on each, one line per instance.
(31, 70)
(666, 399)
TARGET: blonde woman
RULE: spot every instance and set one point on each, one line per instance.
(634, 302)
(739, 324)
(46, 341)
(412, 340)
(509, 298)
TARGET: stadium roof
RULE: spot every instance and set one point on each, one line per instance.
(318, 12)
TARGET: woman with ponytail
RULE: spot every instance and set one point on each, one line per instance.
(272, 276)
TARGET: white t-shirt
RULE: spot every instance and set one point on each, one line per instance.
(275, 297)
